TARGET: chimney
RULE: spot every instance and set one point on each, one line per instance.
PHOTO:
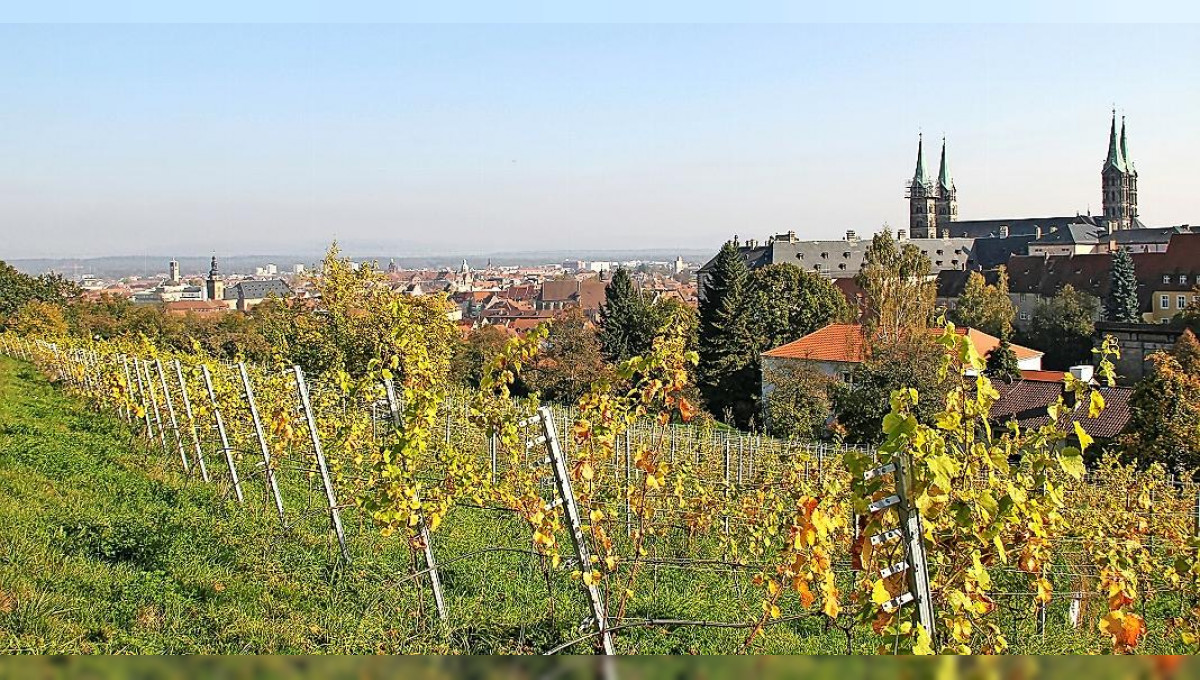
(850, 236)
(1083, 372)
(1003, 231)
(1037, 233)
(901, 234)
(792, 236)
(752, 243)
(946, 234)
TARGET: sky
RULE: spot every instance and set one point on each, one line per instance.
(177, 140)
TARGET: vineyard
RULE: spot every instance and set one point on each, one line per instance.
(500, 524)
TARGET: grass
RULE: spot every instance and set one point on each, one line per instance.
(106, 547)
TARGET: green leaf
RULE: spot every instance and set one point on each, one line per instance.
(1071, 460)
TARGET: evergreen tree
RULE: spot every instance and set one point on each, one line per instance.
(1122, 303)
(627, 322)
(725, 375)
(1002, 362)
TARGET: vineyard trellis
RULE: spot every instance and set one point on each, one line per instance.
(767, 528)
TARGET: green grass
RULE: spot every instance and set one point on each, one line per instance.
(106, 547)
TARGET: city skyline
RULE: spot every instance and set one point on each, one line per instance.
(125, 140)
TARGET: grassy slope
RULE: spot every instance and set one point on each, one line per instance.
(107, 550)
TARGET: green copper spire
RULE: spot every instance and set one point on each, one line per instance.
(1115, 159)
(944, 181)
(919, 177)
(1127, 165)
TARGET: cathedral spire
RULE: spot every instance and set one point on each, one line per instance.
(919, 177)
(1127, 165)
(1115, 159)
(944, 181)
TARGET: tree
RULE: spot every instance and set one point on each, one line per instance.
(726, 374)
(473, 353)
(1122, 303)
(1062, 327)
(18, 289)
(1187, 352)
(784, 303)
(912, 361)
(1164, 421)
(797, 403)
(901, 294)
(627, 322)
(985, 307)
(1002, 363)
(570, 360)
(40, 319)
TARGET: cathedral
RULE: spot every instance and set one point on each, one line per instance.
(933, 204)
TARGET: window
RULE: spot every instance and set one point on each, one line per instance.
(842, 265)
(1183, 279)
(1164, 301)
(939, 252)
(817, 267)
(846, 255)
(1181, 302)
(1166, 278)
(824, 256)
(1024, 316)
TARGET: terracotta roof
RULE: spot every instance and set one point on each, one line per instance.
(1043, 376)
(845, 343)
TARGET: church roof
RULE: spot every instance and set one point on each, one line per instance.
(944, 181)
(257, 290)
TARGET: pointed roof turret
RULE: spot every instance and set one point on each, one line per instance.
(945, 183)
(213, 272)
(1115, 159)
(919, 177)
(1127, 164)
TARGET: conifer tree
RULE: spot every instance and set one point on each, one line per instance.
(627, 322)
(725, 374)
(1122, 303)
(1002, 362)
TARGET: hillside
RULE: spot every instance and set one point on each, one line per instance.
(105, 551)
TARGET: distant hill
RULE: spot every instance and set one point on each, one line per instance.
(117, 266)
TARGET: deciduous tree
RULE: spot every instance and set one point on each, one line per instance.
(1062, 327)
(900, 291)
(985, 307)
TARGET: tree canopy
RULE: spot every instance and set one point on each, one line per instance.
(1062, 327)
(900, 291)
(984, 306)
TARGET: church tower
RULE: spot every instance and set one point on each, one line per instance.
(947, 201)
(215, 285)
(922, 200)
(1118, 181)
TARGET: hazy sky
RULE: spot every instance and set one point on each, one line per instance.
(182, 140)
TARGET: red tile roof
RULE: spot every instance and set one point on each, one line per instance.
(1043, 376)
(846, 343)
(182, 307)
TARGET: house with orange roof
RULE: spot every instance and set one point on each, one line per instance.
(837, 348)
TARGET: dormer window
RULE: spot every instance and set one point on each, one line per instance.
(846, 255)
(1183, 279)
(817, 267)
(1167, 278)
(842, 265)
(939, 252)
(824, 256)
